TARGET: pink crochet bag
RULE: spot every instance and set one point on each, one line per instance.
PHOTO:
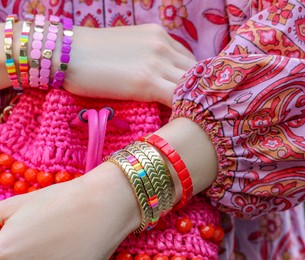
(43, 142)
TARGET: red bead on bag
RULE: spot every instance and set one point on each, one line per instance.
(45, 141)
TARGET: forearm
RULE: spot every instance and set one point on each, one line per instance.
(194, 147)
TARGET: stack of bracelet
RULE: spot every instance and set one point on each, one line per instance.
(34, 69)
(150, 178)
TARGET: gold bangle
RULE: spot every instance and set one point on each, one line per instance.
(162, 170)
(152, 180)
(119, 158)
(152, 175)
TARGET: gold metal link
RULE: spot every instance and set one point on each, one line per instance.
(152, 175)
(162, 171)
(119, 158)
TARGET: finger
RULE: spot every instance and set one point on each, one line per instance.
(10, 205)
(173, 74)
(164, 92)
(183, 62)
(181, 49)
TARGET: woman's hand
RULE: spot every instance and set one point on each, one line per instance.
(81, 219)
(141, 63)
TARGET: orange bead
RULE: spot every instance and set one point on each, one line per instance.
(18, 168)
(160, 257)
(6, 160)
(184, 225)
(142, 257)
(124, 256)
(32, 188)
(177, 257)
(31, 175)
(218, 235)
(21, 187)
(207, 232)
(45, 179)
(62, 177)
(196, 258)
(7, 179)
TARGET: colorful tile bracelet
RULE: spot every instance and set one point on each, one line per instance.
(59, 76)
(8, 49)
(36, 50)
(23, 55)
(178, 164)
(153, 200)
(153, 177)
(163, 173)
(47, 53)
(119, 158)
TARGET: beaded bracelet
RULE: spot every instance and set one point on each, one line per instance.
(23, 55)
(48, 52)
(59, 76)
(119, 158)
(36, 50)
(8, 49)
(178, 164)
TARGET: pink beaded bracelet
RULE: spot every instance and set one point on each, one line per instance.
(23, 55)
(36, 50)
(47, 53)
(65, 53)
(8, 49)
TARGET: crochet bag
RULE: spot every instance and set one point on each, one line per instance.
(43, 142)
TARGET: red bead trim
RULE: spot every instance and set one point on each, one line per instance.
(178, 164)
(17, 178)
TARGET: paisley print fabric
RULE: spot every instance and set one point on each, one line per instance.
(249, 99)
(247, 95)
(251, 103)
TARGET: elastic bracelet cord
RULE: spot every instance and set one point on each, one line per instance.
(59, 76)
(36, 50)
(8, 49)
(178, 164)
(47, 53)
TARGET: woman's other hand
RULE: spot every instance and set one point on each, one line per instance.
(140, 63)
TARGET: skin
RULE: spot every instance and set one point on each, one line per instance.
(98, 206)
(143, 62)
(101, 204)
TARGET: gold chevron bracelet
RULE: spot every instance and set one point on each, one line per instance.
(119, 158)
(152, 175)
(162, 171)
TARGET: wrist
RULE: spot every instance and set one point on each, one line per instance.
(196, 150)
(110, 190)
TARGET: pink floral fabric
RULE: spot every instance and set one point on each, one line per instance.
(240, 97)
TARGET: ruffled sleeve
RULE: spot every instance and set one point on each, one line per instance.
(251, 102)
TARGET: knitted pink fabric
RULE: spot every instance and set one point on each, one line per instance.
(172, 243)
(38, 133)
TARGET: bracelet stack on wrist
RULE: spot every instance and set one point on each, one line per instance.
(37, 72)
(178, 164)
(150, 178)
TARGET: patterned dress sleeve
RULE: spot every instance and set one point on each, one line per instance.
(250, 100)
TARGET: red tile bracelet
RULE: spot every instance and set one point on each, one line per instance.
(178, 164)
